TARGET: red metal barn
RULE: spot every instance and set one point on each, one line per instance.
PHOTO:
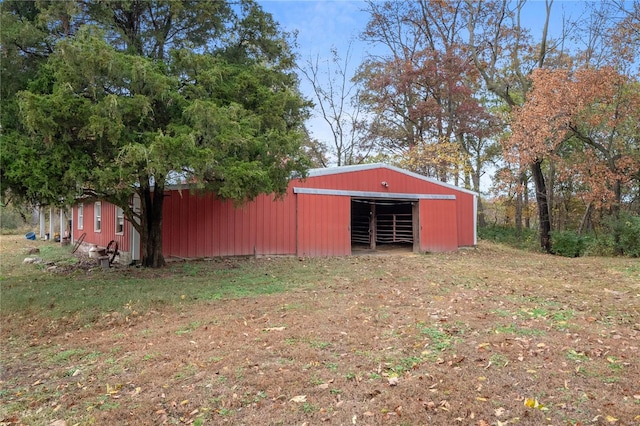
(332, 212)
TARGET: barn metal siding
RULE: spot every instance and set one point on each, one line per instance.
(200, 225)
(323, 225)
(466, 214)
(108, 225)
(438, 225)
(371, 179)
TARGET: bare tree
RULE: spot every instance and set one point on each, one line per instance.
(338, 104)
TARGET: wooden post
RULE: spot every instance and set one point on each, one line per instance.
(61, 224)
(415, 213)
(51, 223)
(41, 214)
(373, 227)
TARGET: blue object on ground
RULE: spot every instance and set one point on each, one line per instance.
(30, 235)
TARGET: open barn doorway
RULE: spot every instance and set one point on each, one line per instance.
(383, 225)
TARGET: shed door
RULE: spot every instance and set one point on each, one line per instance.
(438, 225)
(323, 225)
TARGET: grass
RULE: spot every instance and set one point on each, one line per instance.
(452, 338)
(26, 290)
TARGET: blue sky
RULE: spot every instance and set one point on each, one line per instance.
(322, 24)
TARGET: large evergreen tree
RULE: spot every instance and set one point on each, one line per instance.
(142, 94)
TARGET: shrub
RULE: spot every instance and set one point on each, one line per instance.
(11, 220)
(569, 243)
(508, 235)
(601, 246)
(627, 228)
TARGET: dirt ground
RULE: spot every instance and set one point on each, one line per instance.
(486, 336)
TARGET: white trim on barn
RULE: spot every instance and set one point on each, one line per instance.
(368, 194)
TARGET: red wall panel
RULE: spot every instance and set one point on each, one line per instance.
(438, 225)
(200, 225)
(108, 226)
(323, 225)
(466, 212)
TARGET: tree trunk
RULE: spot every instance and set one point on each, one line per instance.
(518, 218)
(475, 176)
(550, 184)
(482, 221)
(543, 205)
(151, 223)
(525, 206)
(585, 223)
(615, 213)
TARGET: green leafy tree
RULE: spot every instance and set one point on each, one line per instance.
(28, 34)
(148, 94)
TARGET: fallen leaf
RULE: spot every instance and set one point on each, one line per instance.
(323, 386)
(611, 419)
(113, 390)
(533, 403)
(393, 381)
(499, 411)
(299, 398)
(428, 405)
(274, 328)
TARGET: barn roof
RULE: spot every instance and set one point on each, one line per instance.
(361, 167)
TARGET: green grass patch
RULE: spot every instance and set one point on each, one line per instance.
(67, 355)
(573, 355)
(439, 340)
(403, 365)
(88, 296)
(191, 327)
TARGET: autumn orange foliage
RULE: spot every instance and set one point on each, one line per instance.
(587, 122)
